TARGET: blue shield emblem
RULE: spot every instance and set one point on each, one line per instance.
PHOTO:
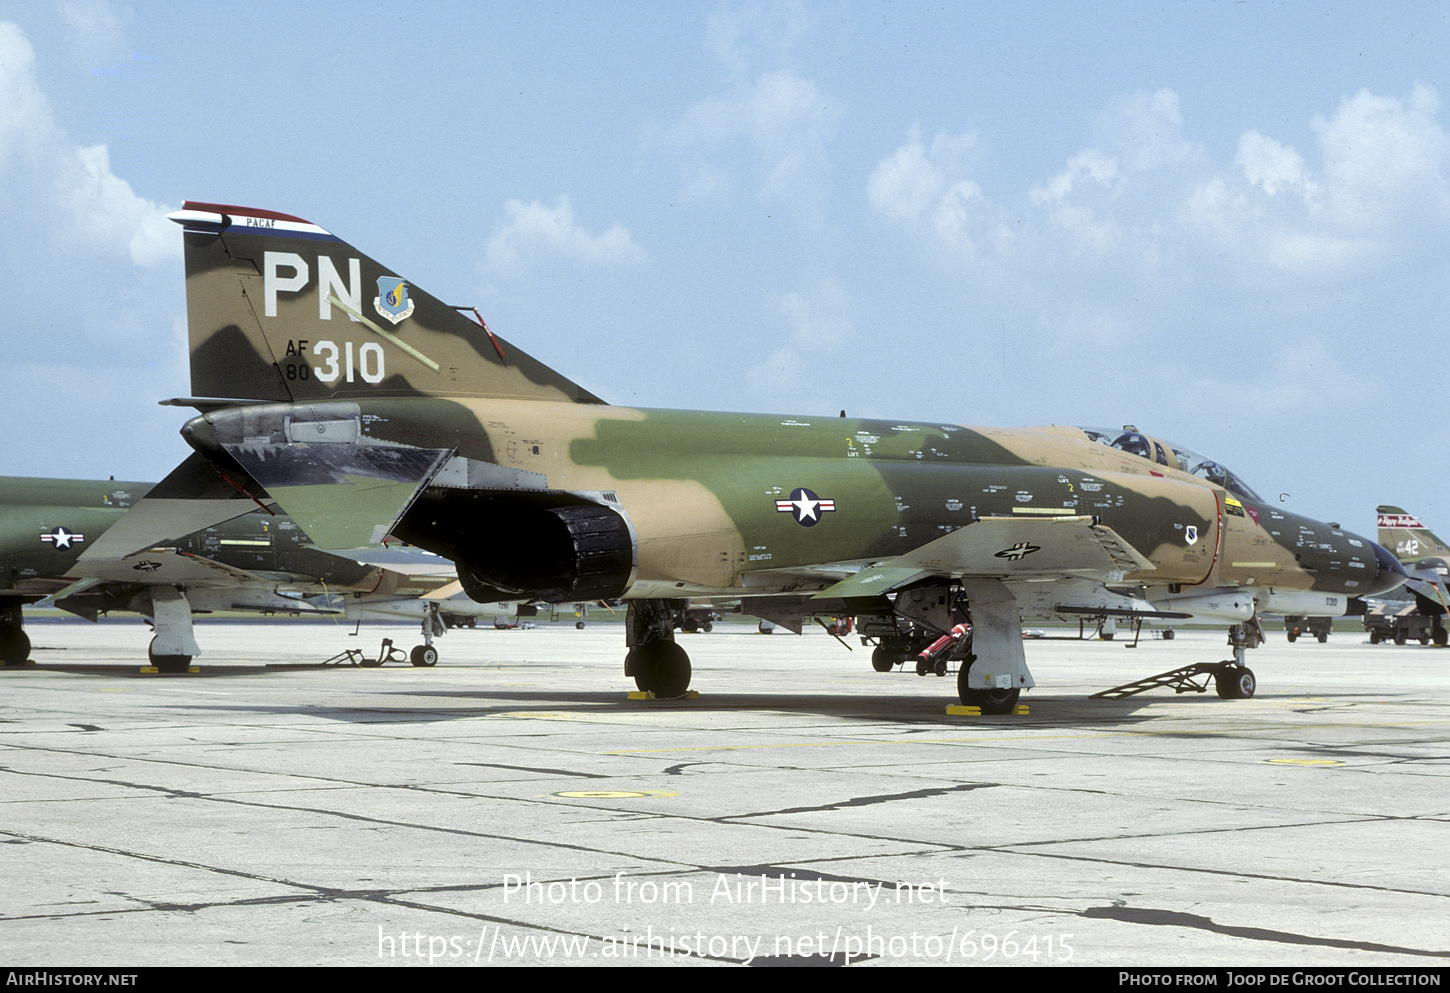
(392, 300)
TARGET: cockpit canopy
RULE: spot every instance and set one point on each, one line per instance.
(1134, 442)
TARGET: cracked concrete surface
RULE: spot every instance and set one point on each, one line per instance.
(512, 806)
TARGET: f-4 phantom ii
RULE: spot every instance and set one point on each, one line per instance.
(1427, 559)
(366, 407)
(54, 536)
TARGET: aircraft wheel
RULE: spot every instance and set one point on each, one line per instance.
(1235, 683)
(883, 660)
(167, 663)
(579, 625)
(662, 668)
(424, 656)
(993, 701)
(1168, 635)
(1105, 636)
(1440, 637)
(14, 645)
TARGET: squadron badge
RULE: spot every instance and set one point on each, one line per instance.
(392, 300)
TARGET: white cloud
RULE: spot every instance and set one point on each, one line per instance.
(735, 36)
(1146, 130)
(64, 190)
(1384, 156)
(532, 229)
(1382, 182)
(820, 323)
(1146, 199)
(924, 189)
(1272, 166)
(786, 120)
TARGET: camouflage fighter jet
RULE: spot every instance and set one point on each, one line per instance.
(366, 407)
(256, 562)
(1427, 559)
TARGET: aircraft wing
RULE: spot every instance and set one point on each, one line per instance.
(160, 567)
(1006, 548)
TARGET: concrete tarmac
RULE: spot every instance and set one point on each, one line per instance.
(512, 806)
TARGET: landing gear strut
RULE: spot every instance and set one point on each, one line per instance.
(658, 665)
(1234, 680)
(425, 655)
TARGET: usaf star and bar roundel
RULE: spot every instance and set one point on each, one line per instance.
(59, 537)
(805, 507)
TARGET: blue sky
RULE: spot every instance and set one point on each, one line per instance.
(1226, 223)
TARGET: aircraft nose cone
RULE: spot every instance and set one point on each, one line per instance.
(1389, 574)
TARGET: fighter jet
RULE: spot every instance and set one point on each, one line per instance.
(1427, 559)
(257, 562)
(365, 407)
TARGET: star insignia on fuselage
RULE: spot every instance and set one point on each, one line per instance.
(61, 538)
(805, 506)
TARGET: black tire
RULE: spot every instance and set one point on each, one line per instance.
(1440, 637)
(1399, 637)
(579, 625)
(1235, 683)
(883, 660)
(662, 668)
(1168, 635)
(708, 627)
(14, 645)
(1323, 638)
(994, 701)
(167, 663)
(424, 656)
(1293, 636)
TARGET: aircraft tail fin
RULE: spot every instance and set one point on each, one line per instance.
(281, 310)
(1404, 535)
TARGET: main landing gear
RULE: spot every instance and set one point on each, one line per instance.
(977, 623)
(658, 665)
